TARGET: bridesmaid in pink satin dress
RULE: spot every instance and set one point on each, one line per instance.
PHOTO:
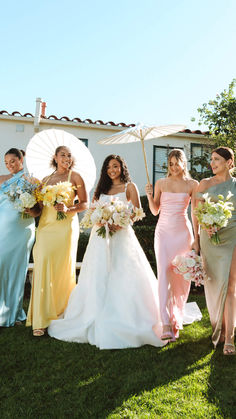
(173, 236)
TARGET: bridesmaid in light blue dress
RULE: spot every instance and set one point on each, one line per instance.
(16, 240)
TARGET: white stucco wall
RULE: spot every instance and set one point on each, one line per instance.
(10, 136)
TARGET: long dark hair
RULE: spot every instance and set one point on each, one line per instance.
(18, 153)
(225, 152)
(105, 182)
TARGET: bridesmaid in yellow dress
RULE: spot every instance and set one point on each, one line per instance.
(220, 260)
(56, 247)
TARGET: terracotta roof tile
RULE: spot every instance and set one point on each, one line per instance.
(89, 121)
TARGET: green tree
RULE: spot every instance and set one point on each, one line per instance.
(219, 115)
(204, 162)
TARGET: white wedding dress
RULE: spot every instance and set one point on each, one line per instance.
(115, 303)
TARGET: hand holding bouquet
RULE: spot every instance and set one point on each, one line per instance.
(52, 195)
(110, 215)
(214, 215)
(23, 195)
(190, 267)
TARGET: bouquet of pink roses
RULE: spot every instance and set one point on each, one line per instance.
(190, 267)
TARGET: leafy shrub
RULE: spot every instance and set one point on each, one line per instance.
(145, 235)
(83, 241)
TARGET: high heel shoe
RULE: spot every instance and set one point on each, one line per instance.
(175, 336)
(167, 333)
(229, 349)
(38, 332)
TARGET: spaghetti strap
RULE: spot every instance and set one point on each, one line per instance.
(126, 186)
(69, 176)
(47, 179)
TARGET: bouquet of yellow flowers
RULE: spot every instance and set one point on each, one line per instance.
(214, 215)
(114, 213)
(50, 195)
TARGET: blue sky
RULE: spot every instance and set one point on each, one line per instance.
(125, 60)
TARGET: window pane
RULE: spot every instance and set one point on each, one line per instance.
(196, 151)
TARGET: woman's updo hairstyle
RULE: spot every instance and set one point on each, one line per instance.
(18, 153)
(227, 153)
(58, 149)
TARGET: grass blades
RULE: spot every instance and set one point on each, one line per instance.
(46, 378)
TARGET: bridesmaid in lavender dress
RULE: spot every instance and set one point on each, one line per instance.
(173, 236)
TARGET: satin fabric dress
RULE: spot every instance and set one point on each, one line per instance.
(173, 236)
(16, 241)
(54, 256)
(217, 260)
(115, 304)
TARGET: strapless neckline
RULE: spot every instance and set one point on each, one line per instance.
(177, 193)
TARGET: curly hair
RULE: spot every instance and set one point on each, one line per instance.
(180, 156)
(53, 161)
(105, 182)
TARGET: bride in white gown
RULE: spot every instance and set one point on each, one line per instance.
(115, 304)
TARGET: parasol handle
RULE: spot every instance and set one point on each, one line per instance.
(145, 159)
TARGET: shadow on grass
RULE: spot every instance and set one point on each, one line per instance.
(43, 377)
(222, 382)
(48, 378)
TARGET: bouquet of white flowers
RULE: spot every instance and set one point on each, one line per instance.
(23, 195)
(214, 215)
(114, 213)
(50, 195)
(190, 267)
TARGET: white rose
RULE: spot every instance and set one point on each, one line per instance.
(190, 262)
(28, 201)
(117, 218)
(182, 268)
(187, 276)
(96, 216)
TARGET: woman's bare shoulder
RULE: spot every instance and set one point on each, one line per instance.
(75, 176)
(132, 186)
(204, 184)
(160, 183)
(193, 183)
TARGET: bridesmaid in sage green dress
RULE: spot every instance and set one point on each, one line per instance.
(220, 260)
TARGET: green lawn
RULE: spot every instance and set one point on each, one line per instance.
(45, 378)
